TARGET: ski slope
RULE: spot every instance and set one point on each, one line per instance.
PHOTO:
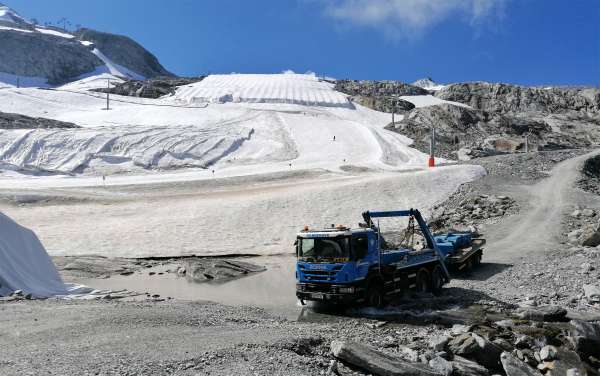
(234, 138)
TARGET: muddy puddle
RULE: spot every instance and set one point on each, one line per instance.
(274, 291)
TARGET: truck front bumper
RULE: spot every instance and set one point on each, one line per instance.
(330, 294)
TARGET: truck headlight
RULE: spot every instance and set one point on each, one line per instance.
(347, 290)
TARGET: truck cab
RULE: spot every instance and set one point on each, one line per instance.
(332, 263)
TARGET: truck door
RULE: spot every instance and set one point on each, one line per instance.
(360, 249)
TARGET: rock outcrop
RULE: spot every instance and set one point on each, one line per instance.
(124, 51)
(17, 121)
(152, 88)
(381, 96)
(57, 59)
(503, 98)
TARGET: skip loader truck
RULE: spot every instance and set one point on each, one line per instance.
(358, 265)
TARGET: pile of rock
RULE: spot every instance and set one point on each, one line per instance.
(591, 175)
(152, 88)
(472, 211)
(16, 295)
(532, 341)
(585, 228)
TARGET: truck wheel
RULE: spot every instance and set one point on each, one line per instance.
(437, 280)
(422, 282)
(375, 296)
(477, 260)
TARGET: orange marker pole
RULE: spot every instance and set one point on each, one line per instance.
(432, 148)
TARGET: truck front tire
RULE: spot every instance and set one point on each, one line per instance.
(375, 296)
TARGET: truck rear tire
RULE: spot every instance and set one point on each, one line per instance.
(375, 296)
(437, 280)
(477, 260)
(422, 282)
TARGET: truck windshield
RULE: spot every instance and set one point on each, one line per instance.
(324, 248)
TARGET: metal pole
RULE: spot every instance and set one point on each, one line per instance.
(432, 148)
(526, 143)
(108, 93)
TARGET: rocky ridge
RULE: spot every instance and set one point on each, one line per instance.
(58, 56)
(497, 118)
(151, 88)
(17, 121)
(380, 95)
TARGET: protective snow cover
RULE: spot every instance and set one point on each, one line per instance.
(25, 264)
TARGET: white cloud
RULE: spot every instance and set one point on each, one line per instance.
(410, 17)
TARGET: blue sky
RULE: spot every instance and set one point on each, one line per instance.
(530, 42)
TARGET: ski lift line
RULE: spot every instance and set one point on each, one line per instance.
(123, 101)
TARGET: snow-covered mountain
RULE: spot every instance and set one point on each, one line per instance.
(428, 84)
(10, 17)
(32, 55)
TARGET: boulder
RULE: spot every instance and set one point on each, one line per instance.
(592, 293)
(590, 236)
(441, 365)
(588, 213)
(586, 337)
(464, 345)
(565, 360)
(438, 343)
(377, 362)
(514, 367)
(548, 353)
(488, 353)
(465, 367)
(542, 313)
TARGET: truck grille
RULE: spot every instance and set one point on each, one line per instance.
(320, 275)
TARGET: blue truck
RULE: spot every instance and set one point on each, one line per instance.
(359, 265)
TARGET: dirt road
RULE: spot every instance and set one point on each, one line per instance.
(536, 229)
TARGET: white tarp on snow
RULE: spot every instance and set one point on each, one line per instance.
(25, 264)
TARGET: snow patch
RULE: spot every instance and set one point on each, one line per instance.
(428, 84)
(96, 81)
(12, 80)
(15, 29)
(10, 16)
(114, 68)
(429, 100)
(54, 32)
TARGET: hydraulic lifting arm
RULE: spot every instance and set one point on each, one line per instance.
(431, 244)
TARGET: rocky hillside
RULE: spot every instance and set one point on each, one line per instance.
(151, 88)
(380, 95)
(125, 51)
(503, 98)
(33, 55)
(56, 59)
(505, 119)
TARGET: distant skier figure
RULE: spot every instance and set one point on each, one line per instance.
(103, 179)
(333, 138)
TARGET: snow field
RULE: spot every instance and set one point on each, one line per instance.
(305, 89)
(248, 137)
(257, 218)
